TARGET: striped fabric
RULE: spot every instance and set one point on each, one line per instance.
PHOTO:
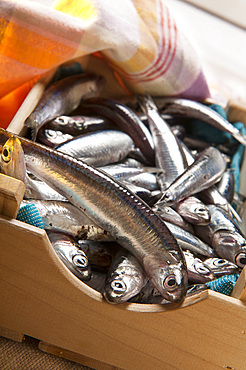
(139, 39)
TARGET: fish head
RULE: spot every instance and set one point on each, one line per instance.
(55, 137)
(195, 213)
(240, 258)
(121, 287)
(81, 265)
(197, 270)
(170, 280)
(12, 159)
(220, 266)
(230, 245)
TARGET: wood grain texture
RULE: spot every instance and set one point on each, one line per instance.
(76, 357)
(52, 305)
(11, 195)
(11, 334)
(236, 111)
(239, 290)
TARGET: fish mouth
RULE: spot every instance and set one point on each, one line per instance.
(172, 286)
(115, 291)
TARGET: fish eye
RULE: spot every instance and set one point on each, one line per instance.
(241, 260)
(118, 286)
(219, 262)
(201, 269)
(80, 261)
(51, 133)
(6, 155)
(170, 282)
(62, 120)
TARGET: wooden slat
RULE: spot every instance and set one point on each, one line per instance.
(42, 299)
(11, 194)
(76, 357)
(30, 102)
(11, 334)
(239, 290)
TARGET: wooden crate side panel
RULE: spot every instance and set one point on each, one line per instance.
(41, 298)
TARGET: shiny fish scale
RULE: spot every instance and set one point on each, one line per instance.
(130, 221)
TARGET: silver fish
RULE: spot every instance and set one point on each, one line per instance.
(212, 194)
(78, 125)
(226, 185)
(192, 109)
(126, 120)
(62, 97)
(51, 137)
(193, 210)
(66, 218)
(220, 266)
(99, 148)
(169, 214)
(70, 254)
(168, 153)
(205, 171)
(198, 272)
(224, 236)
(125, 278)
(188, 241)
(129, 220)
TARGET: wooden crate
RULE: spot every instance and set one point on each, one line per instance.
(41, 298)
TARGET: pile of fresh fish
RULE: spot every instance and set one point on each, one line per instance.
(129, 207)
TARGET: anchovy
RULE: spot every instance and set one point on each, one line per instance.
(192, 109)
(121, 172)
(224, 236)
(99, 148)
(169, 214)
(188, 241)
(51, 137)
(226, 185)
(129, 220)
(62, 97)
(125, 278)
(212, 194)
(193, 210)
(126, 120)
(78, 125)
(198, 271)
(168, 153)
(220, 266)
(66, 218)
(70, 254)
(205, 171)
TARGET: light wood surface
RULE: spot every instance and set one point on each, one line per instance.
(11, 194)
(11, 334)
(76, 357)
(52, 305)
